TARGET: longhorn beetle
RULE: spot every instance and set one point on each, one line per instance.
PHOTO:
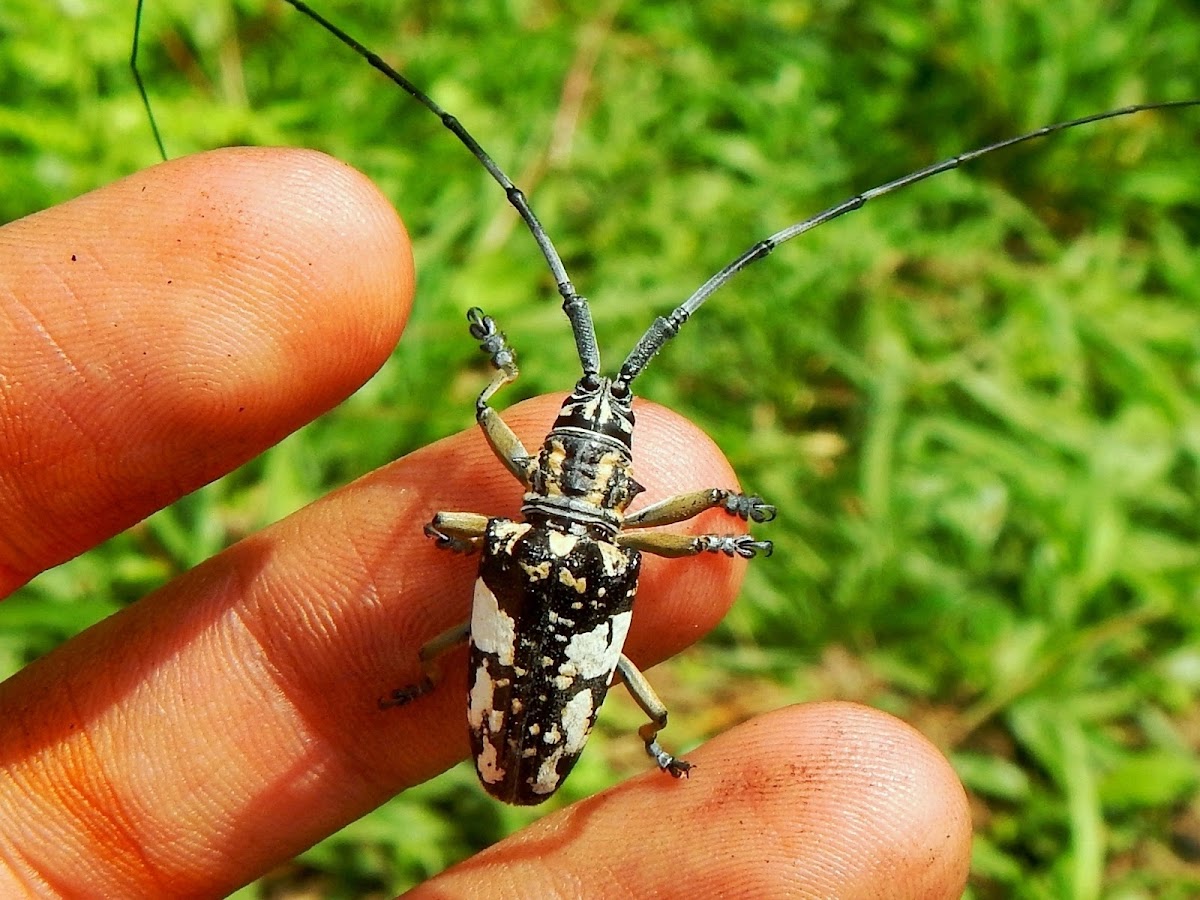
(554, 595)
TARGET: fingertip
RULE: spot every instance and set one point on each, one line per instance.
(822, 800)
(289, 245)
(166, 328)
(861, 800)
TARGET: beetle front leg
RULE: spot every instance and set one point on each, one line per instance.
(431, 674)
(676, 545)
(461, 532)
(502, 439)
(684, 506)
(643, 694)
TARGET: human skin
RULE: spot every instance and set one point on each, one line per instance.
(159, 332)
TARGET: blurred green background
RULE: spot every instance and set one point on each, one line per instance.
(975, 403)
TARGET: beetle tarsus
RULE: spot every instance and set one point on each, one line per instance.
(449, 542)
(742, 545)
(672, 765)
(750, 508)
(492, 340)
(405, 695)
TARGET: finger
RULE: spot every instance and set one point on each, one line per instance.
(828, 800)
(164, 329)
(230, 720)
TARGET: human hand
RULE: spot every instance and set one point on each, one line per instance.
(161, 331)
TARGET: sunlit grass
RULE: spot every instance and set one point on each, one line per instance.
(975, 403)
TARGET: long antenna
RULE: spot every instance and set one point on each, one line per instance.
(665, 328)
(575, 306)
(137, 77)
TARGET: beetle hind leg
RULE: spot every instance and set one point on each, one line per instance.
(643, 694)
(675, 545)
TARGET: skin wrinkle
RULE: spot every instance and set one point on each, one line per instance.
(257, 683)
(94, 802)
(20, 869)
(25, 869)
(60, 411)
(102, 796)
(38, 329)
(278, 608)
(363, 575)
(297, 725)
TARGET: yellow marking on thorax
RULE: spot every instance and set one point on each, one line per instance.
(579, 584)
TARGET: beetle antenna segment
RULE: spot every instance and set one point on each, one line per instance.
(137, 77)
(665, 328)
(575, 306)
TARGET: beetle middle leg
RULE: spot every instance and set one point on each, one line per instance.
(461, 532)
(643, 694)
(429, 655)
(684, 506)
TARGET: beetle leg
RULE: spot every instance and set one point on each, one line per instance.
(430, 672)
(684, 506)
(674, 545)
(461, 532)
(503, 441)
(643, 694)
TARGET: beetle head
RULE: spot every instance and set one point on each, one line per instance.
(601, 407)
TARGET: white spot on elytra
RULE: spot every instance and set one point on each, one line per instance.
(480, 700)
(508, 533)
(492, 630)
(577, 721)
(488, 765)
(537, 573)
(596, 653)
(547, 776)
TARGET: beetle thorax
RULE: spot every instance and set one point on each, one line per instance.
(583, 478)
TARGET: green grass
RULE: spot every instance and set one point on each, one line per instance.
(976, 403)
